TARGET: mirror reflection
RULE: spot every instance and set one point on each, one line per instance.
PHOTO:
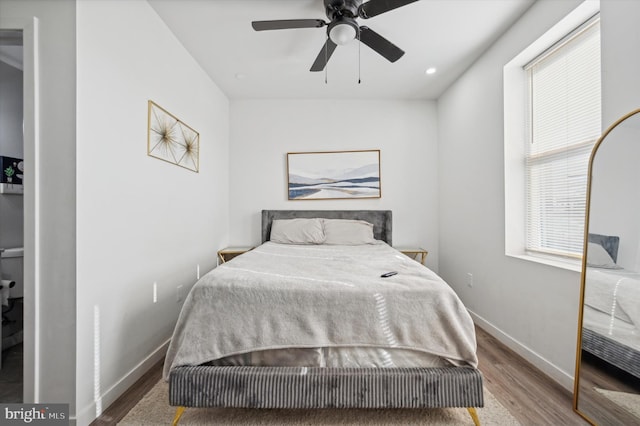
(608, 368)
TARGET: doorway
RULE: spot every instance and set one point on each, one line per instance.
(28, 28)
(11, 215)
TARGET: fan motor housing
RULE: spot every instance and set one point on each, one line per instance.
(341, 8)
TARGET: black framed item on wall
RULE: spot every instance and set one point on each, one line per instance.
(12, 173)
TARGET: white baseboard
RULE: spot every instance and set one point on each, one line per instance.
(89, 413)
(562, 377)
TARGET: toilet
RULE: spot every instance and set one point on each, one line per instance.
(12, 270)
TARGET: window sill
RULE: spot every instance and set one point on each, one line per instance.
(568, 265)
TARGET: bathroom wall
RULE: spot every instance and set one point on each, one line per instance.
(11, 206)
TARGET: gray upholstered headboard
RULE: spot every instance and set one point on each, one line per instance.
(381, 219)
(609, 242)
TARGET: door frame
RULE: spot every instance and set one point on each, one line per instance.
(31, 358)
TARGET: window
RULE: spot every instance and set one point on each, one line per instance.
(552, 117)
(563, 124)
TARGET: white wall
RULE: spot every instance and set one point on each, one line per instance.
(620, 66)
(140, 220)
(405, 132)
(620, 95)
(615, 194)
(531, 307)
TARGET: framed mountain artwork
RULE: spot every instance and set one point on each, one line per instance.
(333, 175)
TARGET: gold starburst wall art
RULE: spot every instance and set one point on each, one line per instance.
(170, 140)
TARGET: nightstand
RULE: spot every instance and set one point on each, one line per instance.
(228, 253)
(416, 253)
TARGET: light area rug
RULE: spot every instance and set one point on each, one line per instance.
(154, 409)
(628, 401)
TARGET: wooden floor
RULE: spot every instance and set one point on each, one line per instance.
(530, 396)
(527, 393)
(596, 373)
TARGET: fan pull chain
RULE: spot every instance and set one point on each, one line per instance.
(359, 48)
(326, 59)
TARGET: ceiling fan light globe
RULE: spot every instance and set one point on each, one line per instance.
(342, 34)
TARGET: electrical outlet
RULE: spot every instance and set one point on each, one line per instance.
(469, 279)
(179, 294)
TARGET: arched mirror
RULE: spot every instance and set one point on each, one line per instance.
(607, 380)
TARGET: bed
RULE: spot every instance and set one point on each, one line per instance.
(314, 325)
(611, 317)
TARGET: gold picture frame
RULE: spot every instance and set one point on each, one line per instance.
(331, 175)
(171, 140)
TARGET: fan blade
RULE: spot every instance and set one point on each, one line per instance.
(376, 7)
(285, 24)
(323, 56)
(380, 44)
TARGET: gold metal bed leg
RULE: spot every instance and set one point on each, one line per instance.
(176, 418)
(474, 415)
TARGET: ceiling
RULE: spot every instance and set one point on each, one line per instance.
(446, 34)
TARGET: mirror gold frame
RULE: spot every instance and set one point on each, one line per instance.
(581, 318)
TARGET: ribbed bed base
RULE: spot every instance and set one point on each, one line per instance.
(315, 387)
(614, 353)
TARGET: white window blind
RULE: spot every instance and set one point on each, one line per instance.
(563, 124)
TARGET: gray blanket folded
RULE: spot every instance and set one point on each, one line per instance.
(279, 296)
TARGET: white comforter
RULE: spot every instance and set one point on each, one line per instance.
(280, 296)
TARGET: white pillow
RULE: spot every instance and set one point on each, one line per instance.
(598, 257)
(348, 232)
(297, 231)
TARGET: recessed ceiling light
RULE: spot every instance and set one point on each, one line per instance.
(430, 71)
(240, 76)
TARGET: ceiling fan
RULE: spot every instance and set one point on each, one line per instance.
(343, 27)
